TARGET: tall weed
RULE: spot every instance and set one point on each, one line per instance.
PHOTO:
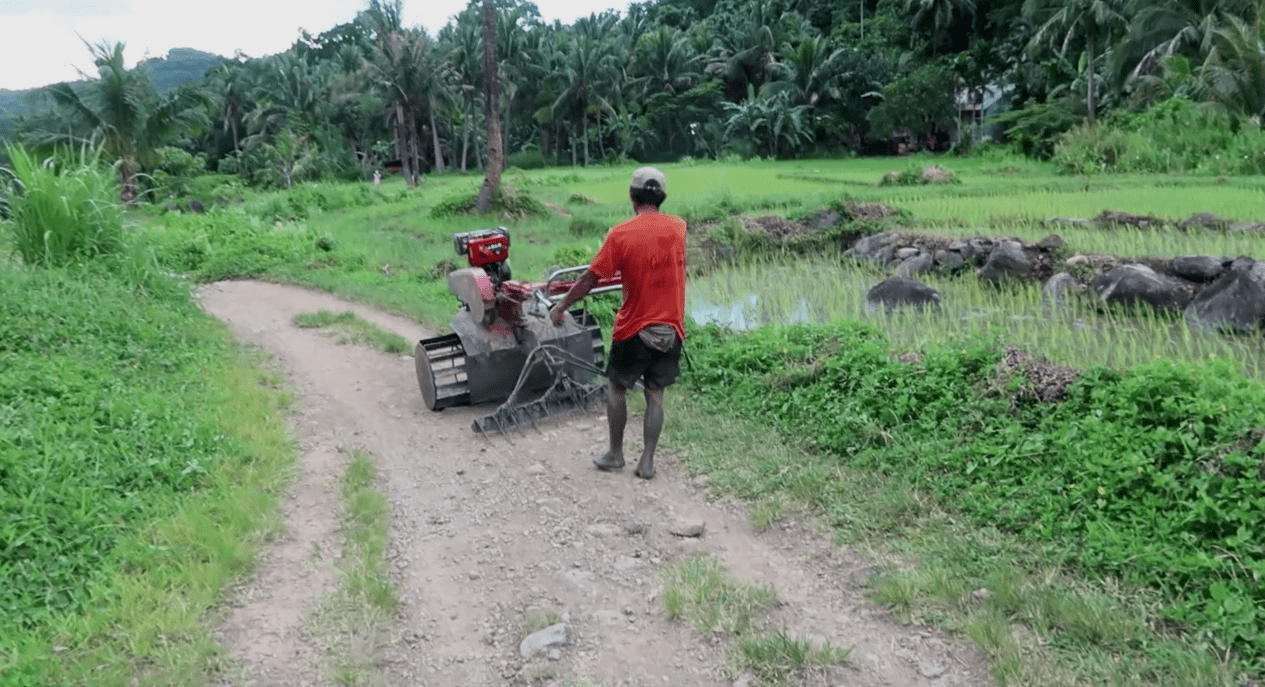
(62, 209)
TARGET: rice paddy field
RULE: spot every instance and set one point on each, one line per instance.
(394, 248)
(1001, 197)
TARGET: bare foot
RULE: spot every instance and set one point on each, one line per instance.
(645, 469)
(609, 461)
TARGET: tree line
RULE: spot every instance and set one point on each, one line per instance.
(665, 79)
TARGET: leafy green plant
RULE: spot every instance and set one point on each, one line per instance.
(62, 209)
(1149, 475)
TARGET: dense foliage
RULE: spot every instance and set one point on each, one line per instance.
(1151, 475)
(672, 78)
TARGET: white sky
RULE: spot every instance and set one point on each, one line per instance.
(40, 39)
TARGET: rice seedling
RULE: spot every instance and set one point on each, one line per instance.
(775, 292)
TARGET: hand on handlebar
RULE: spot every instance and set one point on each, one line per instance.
(557, 313)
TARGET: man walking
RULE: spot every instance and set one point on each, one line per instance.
(648, 252)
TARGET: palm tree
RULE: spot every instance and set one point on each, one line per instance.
(587, 75)
(125, 112)
(402, 71)
(491, 95)
(230, 88)
(1094, 24)
(459, 43)
(1174, 27)
(810, 70)
(942, 13)
(1233, 75)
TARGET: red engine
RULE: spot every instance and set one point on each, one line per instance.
(483, 247)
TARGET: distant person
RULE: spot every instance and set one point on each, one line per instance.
(648, 252)
(377, 177)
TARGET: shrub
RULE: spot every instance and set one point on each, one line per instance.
(229, 164)
(1151, 475)
(507, 203)
(62, 210)
(1174, 136)
(1035, 129)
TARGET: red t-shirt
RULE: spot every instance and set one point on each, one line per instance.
(648, 251)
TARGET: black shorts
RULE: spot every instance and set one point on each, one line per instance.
(632, 360)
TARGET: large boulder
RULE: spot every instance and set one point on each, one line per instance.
(1128, 284)
(897, 292)
(1197, 268)
(1235, 302)
(1006, 260)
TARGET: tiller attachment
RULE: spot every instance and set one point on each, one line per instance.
(565, 396)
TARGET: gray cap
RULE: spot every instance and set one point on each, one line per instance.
(650, 179)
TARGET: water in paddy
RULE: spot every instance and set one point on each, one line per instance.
(819, 290)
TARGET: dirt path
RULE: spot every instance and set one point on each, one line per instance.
(487, 532)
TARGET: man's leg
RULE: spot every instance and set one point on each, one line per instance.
(653, 427)
(616, 418)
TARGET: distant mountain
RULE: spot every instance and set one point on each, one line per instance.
(179, 67)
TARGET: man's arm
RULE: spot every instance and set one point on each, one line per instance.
(579, 290)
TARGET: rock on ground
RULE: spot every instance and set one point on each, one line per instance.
(1006, 260)
(540, 641)
(1235, 302)
(1129, 284)
(1197, 268)
(897, 292)
(1059, 289)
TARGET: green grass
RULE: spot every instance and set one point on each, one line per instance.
(142, 454)
(1040, 625)
(702, 591)
(350, 625)
(63, 209)
(1147, 477)
(349, 328)
(774, 658)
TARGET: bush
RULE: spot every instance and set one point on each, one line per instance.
(507, 203)
(1035, 130)
(229, 164)
(1174, 136)
(1151, 475)
(62, 210)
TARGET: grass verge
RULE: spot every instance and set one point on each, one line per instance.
(1039, 624)
(137, 423)
(349, 328)
(349, 625)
